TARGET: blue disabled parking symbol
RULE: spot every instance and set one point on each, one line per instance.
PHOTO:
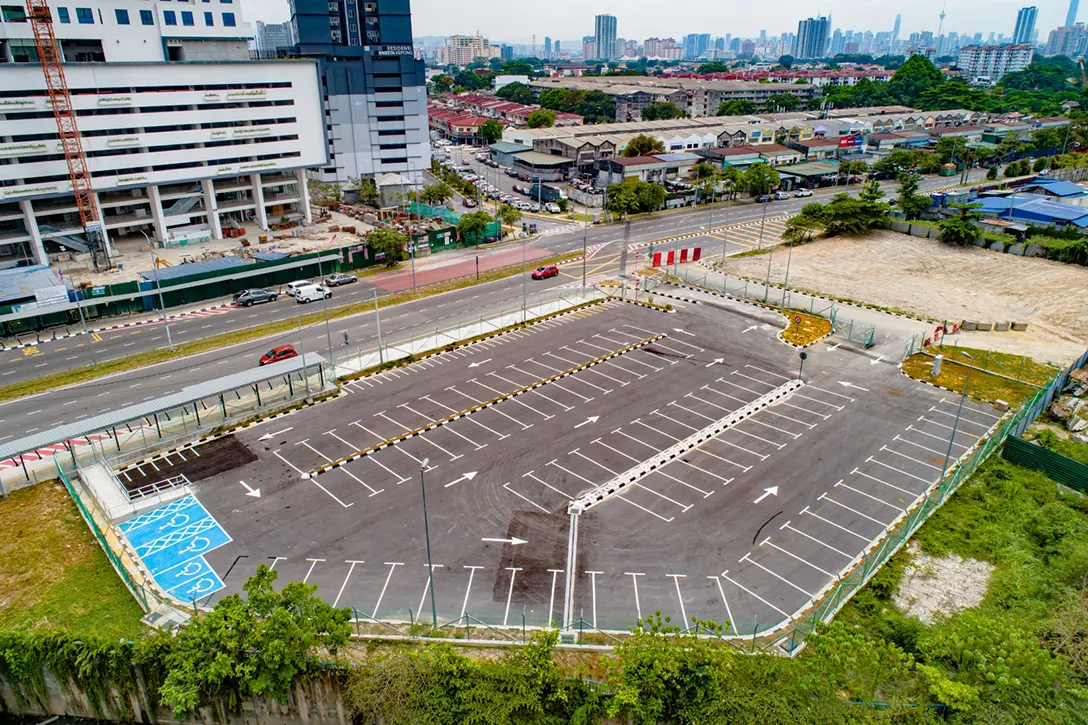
(172, 541)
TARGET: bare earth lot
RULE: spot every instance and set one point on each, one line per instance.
(926, 277)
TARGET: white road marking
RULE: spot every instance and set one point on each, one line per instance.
(749, 591)
(866, 495)
(471, 573)
(634, 582)
(313, 563)
(392, 567)
(350, 570)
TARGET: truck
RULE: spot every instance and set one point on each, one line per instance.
(544, 193)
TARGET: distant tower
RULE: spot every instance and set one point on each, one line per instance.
(940, 26)
(1071, 16)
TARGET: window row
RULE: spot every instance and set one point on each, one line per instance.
(85, 16)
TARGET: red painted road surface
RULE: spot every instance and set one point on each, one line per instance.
(432, 270)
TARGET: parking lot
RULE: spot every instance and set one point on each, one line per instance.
(747, 526)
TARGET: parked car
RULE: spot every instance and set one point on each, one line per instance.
(510, 172)
(466, 163)
(250, 297)
(781, 195)
(552, 208)
(312, 293)
(335, 280)
(545, 272)
(802, 193)
(523, 205)
(764, 198)
(292, 287)
(277, 354)
(535, 207)
(468, 203)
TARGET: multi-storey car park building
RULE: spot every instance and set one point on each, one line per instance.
(184, 135)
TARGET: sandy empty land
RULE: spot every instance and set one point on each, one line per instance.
(926, 277)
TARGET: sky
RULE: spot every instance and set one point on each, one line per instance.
(639, 19)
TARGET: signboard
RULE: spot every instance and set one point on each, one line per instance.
(850, 141)
(402, 49)
(50, 296)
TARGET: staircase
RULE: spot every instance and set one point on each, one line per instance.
(65, 240)
(184, 204)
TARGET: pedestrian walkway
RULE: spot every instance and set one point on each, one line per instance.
(562, 229)
(744, 234)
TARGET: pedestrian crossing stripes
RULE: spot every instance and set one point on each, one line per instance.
(564, 229)
(727, 230)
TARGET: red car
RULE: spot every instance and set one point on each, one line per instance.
(544, 272)
(278, 354)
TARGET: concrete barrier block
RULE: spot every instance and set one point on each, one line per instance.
(996, 247)
(969, 325)
(1033, 250)
(900, 227)
(1001, 406)
(1017, 249)
(1001, 326)
(980, 242)
(1019, 327)
(984, 326)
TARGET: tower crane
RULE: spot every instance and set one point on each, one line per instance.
(58, 96)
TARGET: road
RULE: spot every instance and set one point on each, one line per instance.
(54, 407)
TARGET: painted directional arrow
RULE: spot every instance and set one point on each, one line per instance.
(464, 477)
(753, 327)
(855, 387)
(250, 491)
(772, 491)
(716, 361)
(874, 362)
(587, 421)
(684, 332)
(836, 346)
(268, 436)
(513, 541)
(478, 364)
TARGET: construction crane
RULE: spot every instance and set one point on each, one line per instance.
(41, 20)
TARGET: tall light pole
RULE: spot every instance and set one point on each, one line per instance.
(427, 535)
(524, 279)
(956, 425)
(325, 305)
(378, 321)
(302, 345)
(82, 318)
(158, 284)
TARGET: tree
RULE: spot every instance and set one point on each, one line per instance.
(443, 83)
(713, 67)
(435, 194)
(732, 181)
(908, 200)
(324, 193)
(621, 199)
(801, 228)
(914, 77)
(249, 647)
(871, 192)
(365, 189)
(662, 112)
(736, 108)
(642, 145)
(785, 101)
(474, 224)
(991, 173)
(470, 81)
(960, 229)
(516, 93)
(390, 243)
(760, 179)
(596, 107)
(786, 61)
(651, 197)
(702, 170)
(894, 164)
(509, 215)
(517, 68)
(1040, 164)
(541, 119)
(847, 215)
(554, 98)
(491, 130)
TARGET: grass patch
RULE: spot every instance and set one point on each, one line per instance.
(804, 329)
(54, 574)
(1057, 443)
(756, 252)
(983, 385)
(151, 357)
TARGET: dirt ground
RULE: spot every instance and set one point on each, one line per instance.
(925, 277)
(941, 586)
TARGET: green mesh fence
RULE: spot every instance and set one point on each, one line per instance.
(118, 566)
(794, 637)
(440, 212)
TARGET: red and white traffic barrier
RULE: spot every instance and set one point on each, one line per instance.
(687, 254)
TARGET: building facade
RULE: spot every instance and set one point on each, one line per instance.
(375, 89)
(1025, 25)
(987, 64)
(1071, 41)
(1071, 16)
(605, 35)
(463, 49)
(272, 37)
(184, 135)
(812, 38)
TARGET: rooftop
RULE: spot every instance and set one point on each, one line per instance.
(19, 283)
(191, 268)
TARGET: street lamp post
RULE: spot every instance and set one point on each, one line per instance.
(959, 411)
(378, 322)
(427, 535)
(82, 318)
(524, 279)
(325, 306)
(158, 284)
(302, 345)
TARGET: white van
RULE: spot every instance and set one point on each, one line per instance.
(311, 293)
(293, 287)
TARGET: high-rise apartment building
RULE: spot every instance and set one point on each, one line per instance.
(375, 89)
(605, 37)
(589, 47)
(1071, 16)
(183, 133)
(271, 37)
(987, 64)
(812, 37)
(1070, 41)
(547, 48)
(1025, 25)
(463, 49)
(895, 30)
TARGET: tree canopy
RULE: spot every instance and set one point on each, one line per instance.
(662, 112)
(916, 76)
(491, 130)
(516, 93)
(541, 118)
(643, 145)
(736, 108)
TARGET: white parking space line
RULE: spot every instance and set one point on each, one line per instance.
(775, 575)
(615, 450)
(312, 480)
(524, 498)
(754, 380)
(566, 408)
(623, 497)
(724, 395)
(307, 444)
(963, 418)
(788, 525)
(974, 410)
(493, 408)
(870, 459)
(470, 419)
(544, 483)
(832, 392)
(769, 372)
(824, 497)
(755, 419)
(510, 594)
(512, 400)
(674, 420)
(807, 510)
(580, 477)
(740, 430)
(554, 383)
(903, 455)
(689, 410)
(811, 412)
(426, 586)
(392, 567)
(725, 575)
(885, 483)
(683, 612)
(725, 481)
(725, 601)
(400, 479)
(817, 400)
(942, 439)
(342, 586)
(578, 452)
(919, 445)
(867, 495)
(471, 574)
(755, 393)
(674, 351)
(395, 448)
(634, 583)
(313, 563)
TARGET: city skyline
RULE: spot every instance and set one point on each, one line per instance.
(639, 20)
